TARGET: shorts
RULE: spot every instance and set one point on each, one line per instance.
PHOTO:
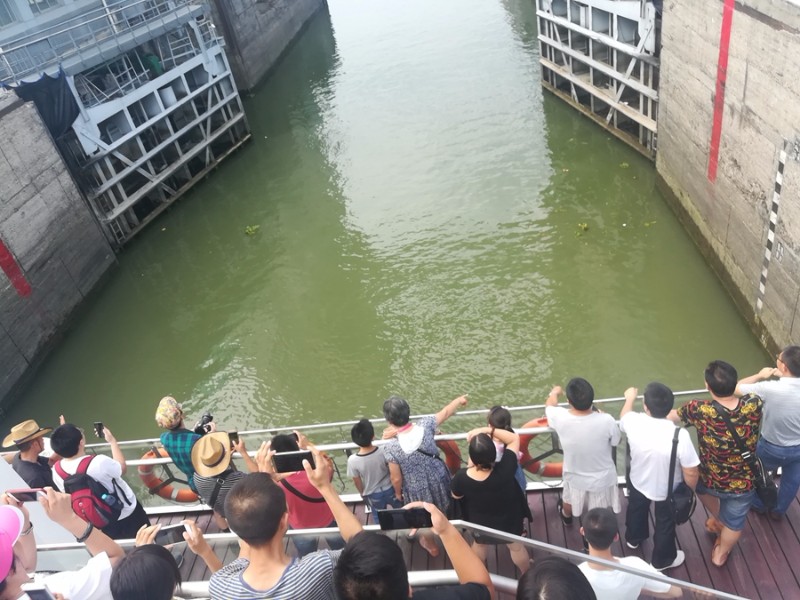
(733, 507)
(583, 501)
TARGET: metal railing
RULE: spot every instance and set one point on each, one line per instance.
(346, 424)
(51, 46)
(196, 589)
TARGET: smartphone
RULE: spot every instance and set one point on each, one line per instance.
(37, 591)
(26, 495)
(289, 462)
(171, 534)
(404, 518)
(98, 429)
(234, 437)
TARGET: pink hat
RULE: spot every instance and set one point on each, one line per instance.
(11, 523)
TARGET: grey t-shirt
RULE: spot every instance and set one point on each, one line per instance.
(780, 424)
(372, 469)
(587, 442)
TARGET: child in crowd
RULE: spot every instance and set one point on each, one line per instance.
(369, 470)
(500, 418)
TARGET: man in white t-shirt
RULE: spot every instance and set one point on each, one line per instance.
(650, 437)
(587, 437)
(68, 441)
(600, 530)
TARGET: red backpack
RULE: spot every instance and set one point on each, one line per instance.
(91, 501)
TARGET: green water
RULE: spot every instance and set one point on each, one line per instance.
(418, 199)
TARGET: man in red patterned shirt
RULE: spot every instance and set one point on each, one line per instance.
(726, 486)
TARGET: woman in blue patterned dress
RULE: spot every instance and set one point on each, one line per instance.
(417, 471)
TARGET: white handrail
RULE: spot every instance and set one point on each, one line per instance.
(432, 577)
(330, 425)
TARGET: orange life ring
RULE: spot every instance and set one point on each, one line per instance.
(452, 455)
(152, 481)
(537, 467)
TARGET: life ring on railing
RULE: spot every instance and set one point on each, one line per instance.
(537, 467)
(452, 455)
(156, 485)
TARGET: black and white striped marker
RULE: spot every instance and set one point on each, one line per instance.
(773, 221)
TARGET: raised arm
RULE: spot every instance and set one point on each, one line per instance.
(116, 453)
(467, 565)
(320, 478)
(58, 507)
(509, 438)
(252, 466)
(200, 546)
(25, 548)
(552, 398)
(763, 374)
(630, 398)
(451, 409)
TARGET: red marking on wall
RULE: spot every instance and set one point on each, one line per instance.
(11, 268)
(719, 96)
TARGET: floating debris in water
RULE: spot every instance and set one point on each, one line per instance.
(583, 226)
(649, 223)
(624, 165)
(252, 229)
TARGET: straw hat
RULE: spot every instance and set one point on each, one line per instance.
(211, 454)
(11, 522)
(25, 432)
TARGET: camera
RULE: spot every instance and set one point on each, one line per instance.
(203, 426)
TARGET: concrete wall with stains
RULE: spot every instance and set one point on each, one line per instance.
(729, 148)
(258, 32)
(52, 250)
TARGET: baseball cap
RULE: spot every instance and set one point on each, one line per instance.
(11, 523)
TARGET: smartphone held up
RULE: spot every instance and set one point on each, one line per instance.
(289, 462)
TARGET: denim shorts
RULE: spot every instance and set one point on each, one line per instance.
(733, 508)
(379, 500)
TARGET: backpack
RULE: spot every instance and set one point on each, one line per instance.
(91, 501)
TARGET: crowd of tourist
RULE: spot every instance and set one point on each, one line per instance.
(87, 495)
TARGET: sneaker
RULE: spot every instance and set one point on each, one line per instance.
(564, 518)
(633, 545)
(679, 558)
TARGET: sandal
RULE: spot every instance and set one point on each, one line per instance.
(724, 558)
(564, 518)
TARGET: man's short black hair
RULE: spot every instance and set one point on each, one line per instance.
(600, 528)
(363, 433)
(580, 393)
(790, 356)
(721, 378)
(371, 566)
(658, 399)
(482, 451)
(554, 577)
(148, 571)
(254, 508)
(66, 440)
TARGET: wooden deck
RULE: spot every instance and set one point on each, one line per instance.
(763, 566)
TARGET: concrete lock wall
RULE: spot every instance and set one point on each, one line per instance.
(52, 251)
(729, 148)
(257, 32)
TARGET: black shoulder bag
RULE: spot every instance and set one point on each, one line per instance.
(682, 499)
(765, 485)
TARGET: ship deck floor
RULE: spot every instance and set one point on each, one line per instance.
(762, 566)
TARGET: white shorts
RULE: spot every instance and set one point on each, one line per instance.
(582, 501)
